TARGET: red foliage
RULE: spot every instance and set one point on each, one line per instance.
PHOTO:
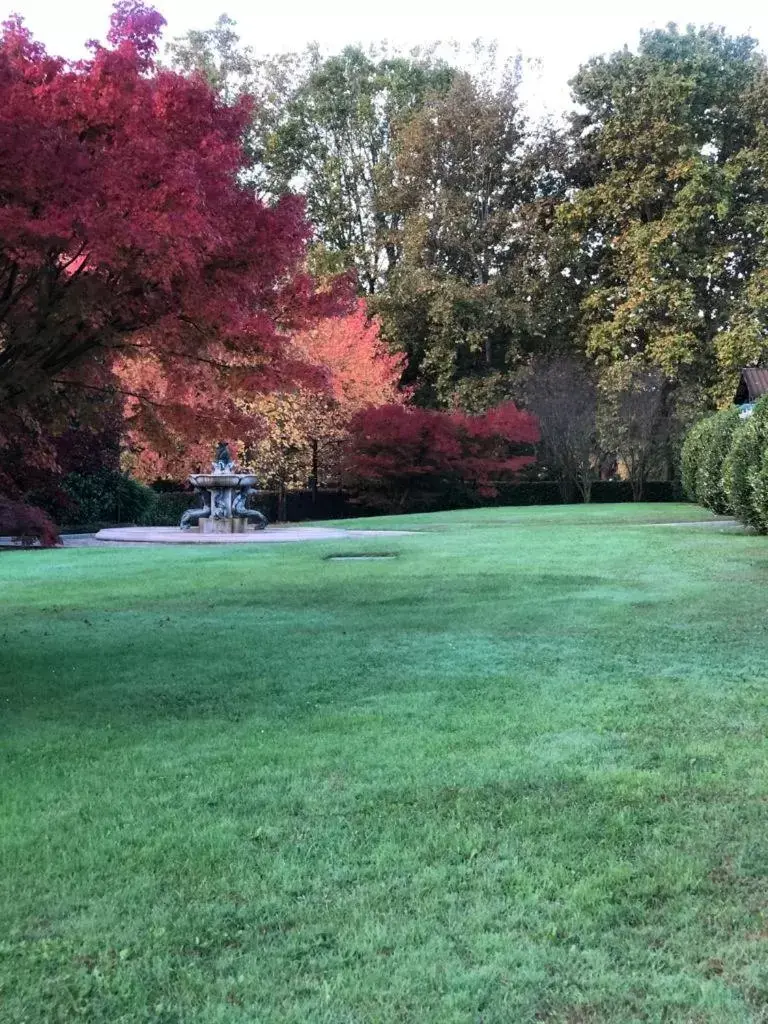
(27, 524)
(361, 371)
(130, 251)
(403, 456)
(352, 370)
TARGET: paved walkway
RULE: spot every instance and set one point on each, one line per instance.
(703, 522)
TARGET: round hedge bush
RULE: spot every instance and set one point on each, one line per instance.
(746, 469)
(691, 457)
(705, 450)
(718, 436)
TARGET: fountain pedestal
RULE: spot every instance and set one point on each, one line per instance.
(223, 525)
(224, 493)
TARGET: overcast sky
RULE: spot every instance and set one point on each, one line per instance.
(560, 40)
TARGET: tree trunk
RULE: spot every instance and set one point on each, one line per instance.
(315, 471)
(585, 487)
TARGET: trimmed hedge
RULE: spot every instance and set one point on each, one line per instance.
(690, 458)
(167, 507)
(530, 492)
(725, 464)
(704, 454)
(746, 470)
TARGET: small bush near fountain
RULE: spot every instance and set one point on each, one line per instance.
(106, 497)
(26, 524)
(166, 508)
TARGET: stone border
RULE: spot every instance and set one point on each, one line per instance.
(272, 535)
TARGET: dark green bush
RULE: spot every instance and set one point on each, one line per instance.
(705, 450)
(746, 470)
(760, 493)
(610, 491)
(691, 457)
(711, 485)
(106, 496)
(166, 508)
(529, 492)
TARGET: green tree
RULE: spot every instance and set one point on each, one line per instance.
(705, 450)
(651, 220)
(476, 206)
(334, 143)
(633, 421)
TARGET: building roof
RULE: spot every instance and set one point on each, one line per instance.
(752, 383)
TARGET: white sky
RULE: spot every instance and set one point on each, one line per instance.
(560, 40)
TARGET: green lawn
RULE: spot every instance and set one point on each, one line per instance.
(516, 774)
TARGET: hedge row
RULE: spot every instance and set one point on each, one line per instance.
(725, 464)
(304, 505)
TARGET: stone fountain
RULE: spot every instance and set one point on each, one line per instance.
(224, 493)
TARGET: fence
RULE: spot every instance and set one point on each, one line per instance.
(306, 504)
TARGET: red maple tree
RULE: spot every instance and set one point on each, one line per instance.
(132, 257)
(405, 457)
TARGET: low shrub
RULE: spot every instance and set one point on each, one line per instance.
(530, 492)
(106, 496)
(167, 507)
(27, 524)
(619, 491)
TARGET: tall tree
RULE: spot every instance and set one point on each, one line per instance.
(633, 421)
(126, 234)
(474, 204)
(651, 218)
(562, 394)
(236, 72)
(335, 143)
(743, 340)
(306, 428)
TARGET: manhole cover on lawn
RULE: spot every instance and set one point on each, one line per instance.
(359, 558)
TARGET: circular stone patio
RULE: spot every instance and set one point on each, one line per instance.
(272, 535)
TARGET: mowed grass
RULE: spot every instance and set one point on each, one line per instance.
(515, 774)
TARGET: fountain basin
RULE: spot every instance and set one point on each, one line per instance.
(222, 480)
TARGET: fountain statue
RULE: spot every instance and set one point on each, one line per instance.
(224, 493)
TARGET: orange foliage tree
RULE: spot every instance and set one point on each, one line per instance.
(305, 426)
